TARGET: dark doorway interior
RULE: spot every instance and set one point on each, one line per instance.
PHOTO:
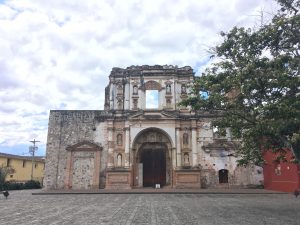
(154, 167)
(223, 176)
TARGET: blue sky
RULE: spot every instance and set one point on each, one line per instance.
(152, 101)
(58, 54)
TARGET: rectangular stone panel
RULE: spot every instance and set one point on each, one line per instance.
(83, 170)
(187, 179)
(118, 179)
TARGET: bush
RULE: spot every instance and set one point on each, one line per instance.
(12, 185)
(32, 184)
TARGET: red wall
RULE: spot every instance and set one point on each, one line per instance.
(281, 176)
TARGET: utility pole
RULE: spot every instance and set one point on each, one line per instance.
(32, 150)
(261, 17)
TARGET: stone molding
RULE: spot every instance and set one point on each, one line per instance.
(88, 150)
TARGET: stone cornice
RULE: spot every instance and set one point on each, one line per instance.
(156, 70)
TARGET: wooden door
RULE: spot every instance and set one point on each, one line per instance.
(154, 167)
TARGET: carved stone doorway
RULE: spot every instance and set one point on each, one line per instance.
(154, 167)
(152, 158)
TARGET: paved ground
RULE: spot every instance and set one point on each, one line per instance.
(160, 209)
(162, 190)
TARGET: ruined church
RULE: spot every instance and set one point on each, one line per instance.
(142, 138)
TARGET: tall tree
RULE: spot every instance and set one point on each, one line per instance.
(255, 86)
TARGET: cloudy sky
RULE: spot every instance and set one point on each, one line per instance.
(58, 54)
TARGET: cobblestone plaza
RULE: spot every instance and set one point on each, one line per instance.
(160, 209)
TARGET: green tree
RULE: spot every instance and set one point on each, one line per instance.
(4, 171)
(254, 86)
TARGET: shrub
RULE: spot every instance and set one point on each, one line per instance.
(11, 185)
(32, 184)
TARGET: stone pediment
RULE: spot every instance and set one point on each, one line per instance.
(136, 114)
(84, 146)
(169, 114)
(221, 147)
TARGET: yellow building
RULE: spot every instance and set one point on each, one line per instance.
(22, 166)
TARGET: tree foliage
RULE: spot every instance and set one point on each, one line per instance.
(4, 171)
(254, 85)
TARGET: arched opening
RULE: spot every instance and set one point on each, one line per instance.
(152, 94)
(152, 99)
(223, 176)
(152, 158)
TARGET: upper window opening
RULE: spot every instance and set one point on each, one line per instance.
(152, 99)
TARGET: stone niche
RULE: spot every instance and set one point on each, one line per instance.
(187, 179)
(83, 166)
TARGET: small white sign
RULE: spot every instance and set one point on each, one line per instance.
(157, 185)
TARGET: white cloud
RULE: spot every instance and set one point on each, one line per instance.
(58, 54)
(152, 101)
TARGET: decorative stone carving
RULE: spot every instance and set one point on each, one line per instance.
(185, 138)
(186, 159)
(120, 102)
(135, 104)
(152, 85)
(135, 90)
(119, 160)
(119, 139)
(183, 89)
(168, 89)
(168, 101)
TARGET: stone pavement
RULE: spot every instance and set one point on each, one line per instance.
(154, 209)
(161, 191)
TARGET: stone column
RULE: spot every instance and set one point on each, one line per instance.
(194, 146)
(126, 94)
(110, 163)
(178, 148)
(173, 150)
(111, 96)
(127, 146)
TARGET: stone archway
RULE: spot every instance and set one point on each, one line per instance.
(152, 158)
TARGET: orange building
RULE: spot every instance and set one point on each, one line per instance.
(281, 176)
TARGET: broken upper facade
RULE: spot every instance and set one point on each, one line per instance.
(141, 138)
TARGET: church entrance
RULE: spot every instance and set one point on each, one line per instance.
(154, 167)
(152, 158)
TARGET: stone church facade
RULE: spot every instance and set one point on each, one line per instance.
(133, 144)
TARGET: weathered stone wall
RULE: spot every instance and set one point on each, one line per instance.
(83, 170)
(245, 176)
(101, 136)
(68, 128)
